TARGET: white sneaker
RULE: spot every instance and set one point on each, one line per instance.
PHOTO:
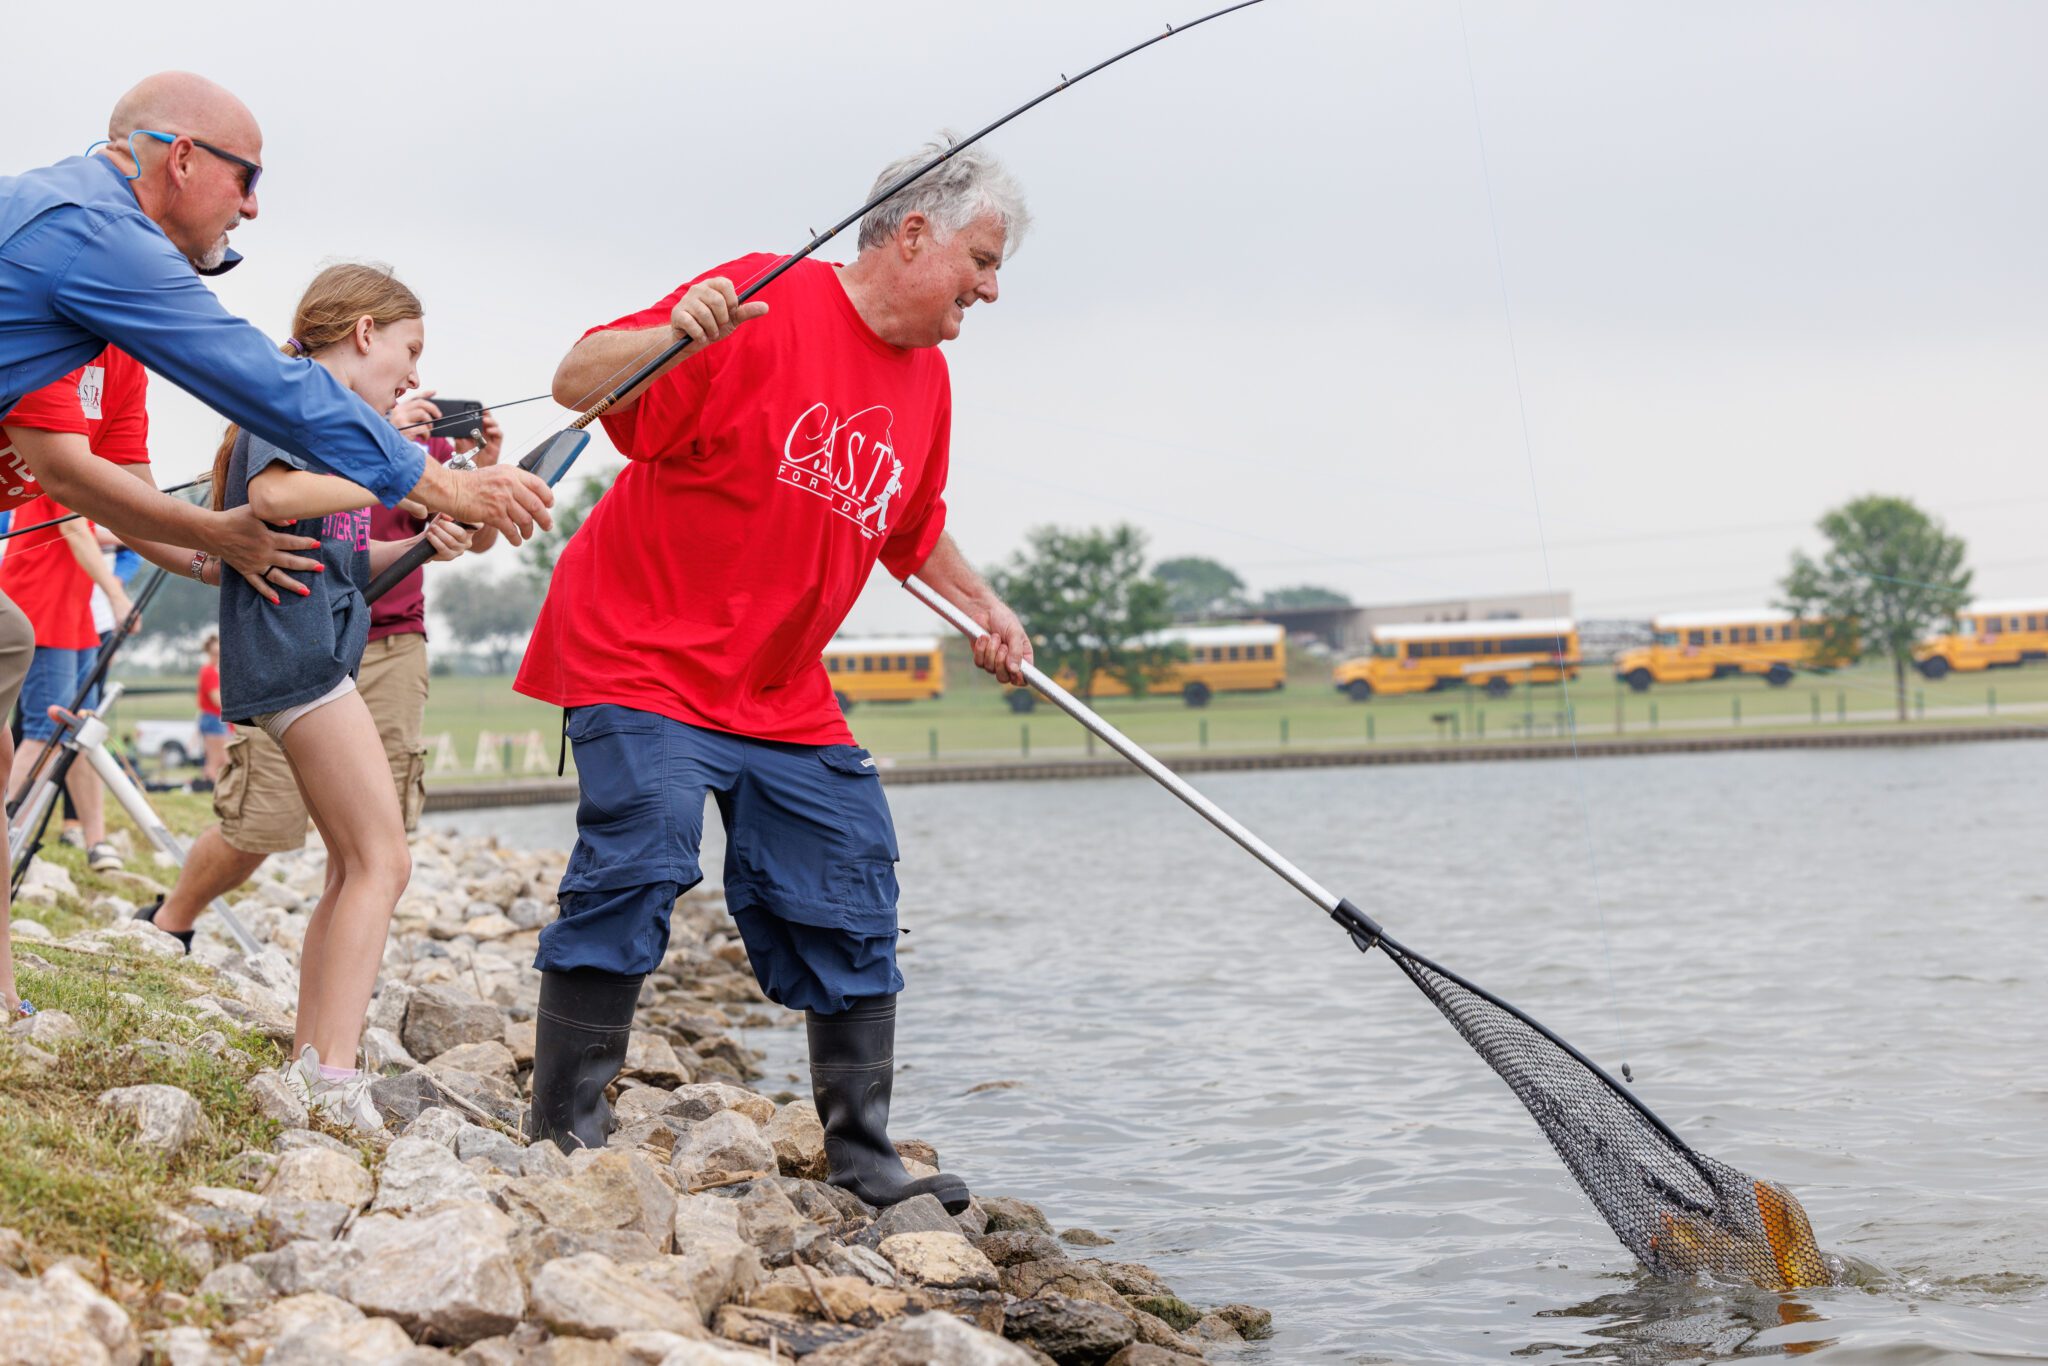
(346, 1101)
(300, 1073)
(341, 1101)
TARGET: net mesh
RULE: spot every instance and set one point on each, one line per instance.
(1682, 1214)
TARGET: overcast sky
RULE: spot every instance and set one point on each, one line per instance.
(1759, 258)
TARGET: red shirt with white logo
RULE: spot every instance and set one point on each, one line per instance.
(106, 403)
(766, 477)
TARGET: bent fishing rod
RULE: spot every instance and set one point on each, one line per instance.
(551, 459)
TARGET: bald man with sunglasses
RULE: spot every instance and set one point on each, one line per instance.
(108, 248)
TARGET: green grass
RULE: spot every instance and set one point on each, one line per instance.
(972, 721)
(72, 1179)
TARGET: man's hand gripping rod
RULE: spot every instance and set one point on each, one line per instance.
(1364, 931)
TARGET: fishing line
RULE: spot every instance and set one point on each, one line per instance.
(1542, 537)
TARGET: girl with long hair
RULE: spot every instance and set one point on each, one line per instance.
(289, 668)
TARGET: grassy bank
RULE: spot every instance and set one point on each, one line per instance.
(972, 721)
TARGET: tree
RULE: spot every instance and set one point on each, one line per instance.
(1198, 588)
(1891, 574)
(570, 512)
(1303, 595)
(1086, 599)
(496, 613)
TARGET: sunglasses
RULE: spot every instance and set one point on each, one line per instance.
(251, 172)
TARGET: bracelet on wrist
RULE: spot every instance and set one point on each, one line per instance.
(198, 566)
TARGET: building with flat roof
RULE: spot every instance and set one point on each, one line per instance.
(1349, 629)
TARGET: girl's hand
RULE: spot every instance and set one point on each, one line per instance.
(449, 538)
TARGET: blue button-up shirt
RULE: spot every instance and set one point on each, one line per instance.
(81, 266)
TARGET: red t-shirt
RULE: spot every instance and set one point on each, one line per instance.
(766, 476)
(403, 608)
(209, 689)
(106, 402)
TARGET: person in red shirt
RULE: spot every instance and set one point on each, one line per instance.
(98, 410)
(768, 471)
(212, 730)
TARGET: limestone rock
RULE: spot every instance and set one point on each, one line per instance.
(710, 1354)
(652, 1059)
(795, 1334)
(1076, 1280)
(166, 1118)
(1013, 1248)
(401, 1099)
(613, 1190)
(770, 1221)
(306, 1266)
(281, 1221)
(799, 1140)
(60, 1320)
(318, 1173)
(475, 1143)
(237, 1286)
(927, 1340)
(275, 1100)
(850, 1299)
(919, 1214)
(489, 1058)
(419, 1174)
(446, 1276)
(535, 1245)
(703, 1099)
(519, 1037)
(1251, 1322)
(382, 1052)
(1005, 1215)
(1216, 1328)
(1069, 1330)
(1084, 1237)
(366, 1342)
(588, 1296)
(725, 1143)
(290, 1315)
(1145, 1354)
(943, 1260)
(494, 1096)
(440, 1017)
(438, 1125)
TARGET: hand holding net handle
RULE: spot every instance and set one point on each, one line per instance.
(1342, 911)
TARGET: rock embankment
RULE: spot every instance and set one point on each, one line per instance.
(703, 1235)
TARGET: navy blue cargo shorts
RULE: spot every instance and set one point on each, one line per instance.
(810, 857)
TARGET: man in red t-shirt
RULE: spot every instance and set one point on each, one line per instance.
(99, 409)
(769, 470)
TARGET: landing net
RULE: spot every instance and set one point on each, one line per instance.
(1683, 1215)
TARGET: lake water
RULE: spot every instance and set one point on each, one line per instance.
(1826, 968)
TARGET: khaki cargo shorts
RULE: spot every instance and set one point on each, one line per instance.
(257, 800)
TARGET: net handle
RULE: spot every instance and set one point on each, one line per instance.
(1265, 853)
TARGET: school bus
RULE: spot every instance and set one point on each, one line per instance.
(1494, 655)
(885, 669)
(1242, 657)
(1690, 647)
(1988, 635)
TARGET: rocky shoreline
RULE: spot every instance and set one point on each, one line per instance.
(703, 1235)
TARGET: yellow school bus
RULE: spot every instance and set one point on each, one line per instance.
(1494, 655)
(1690, 647)
(1988, 635)
(885, 669)
(1242, 657)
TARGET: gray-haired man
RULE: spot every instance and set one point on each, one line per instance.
(768, 471)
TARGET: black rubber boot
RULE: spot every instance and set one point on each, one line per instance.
(149, 913)
(579, 1046)
(853, 1069)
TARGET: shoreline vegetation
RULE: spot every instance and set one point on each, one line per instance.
(972, 724)
(164, 1198)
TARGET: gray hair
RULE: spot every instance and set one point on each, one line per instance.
(952, 195)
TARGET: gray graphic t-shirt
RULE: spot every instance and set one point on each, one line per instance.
(273, 657)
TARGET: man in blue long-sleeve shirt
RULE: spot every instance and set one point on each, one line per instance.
(103, 249)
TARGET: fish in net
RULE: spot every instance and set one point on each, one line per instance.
(1682, 1214)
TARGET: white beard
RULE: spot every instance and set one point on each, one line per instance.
(218, 252)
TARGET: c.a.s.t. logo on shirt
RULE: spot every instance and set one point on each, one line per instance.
(92, 386)
(850, 462)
